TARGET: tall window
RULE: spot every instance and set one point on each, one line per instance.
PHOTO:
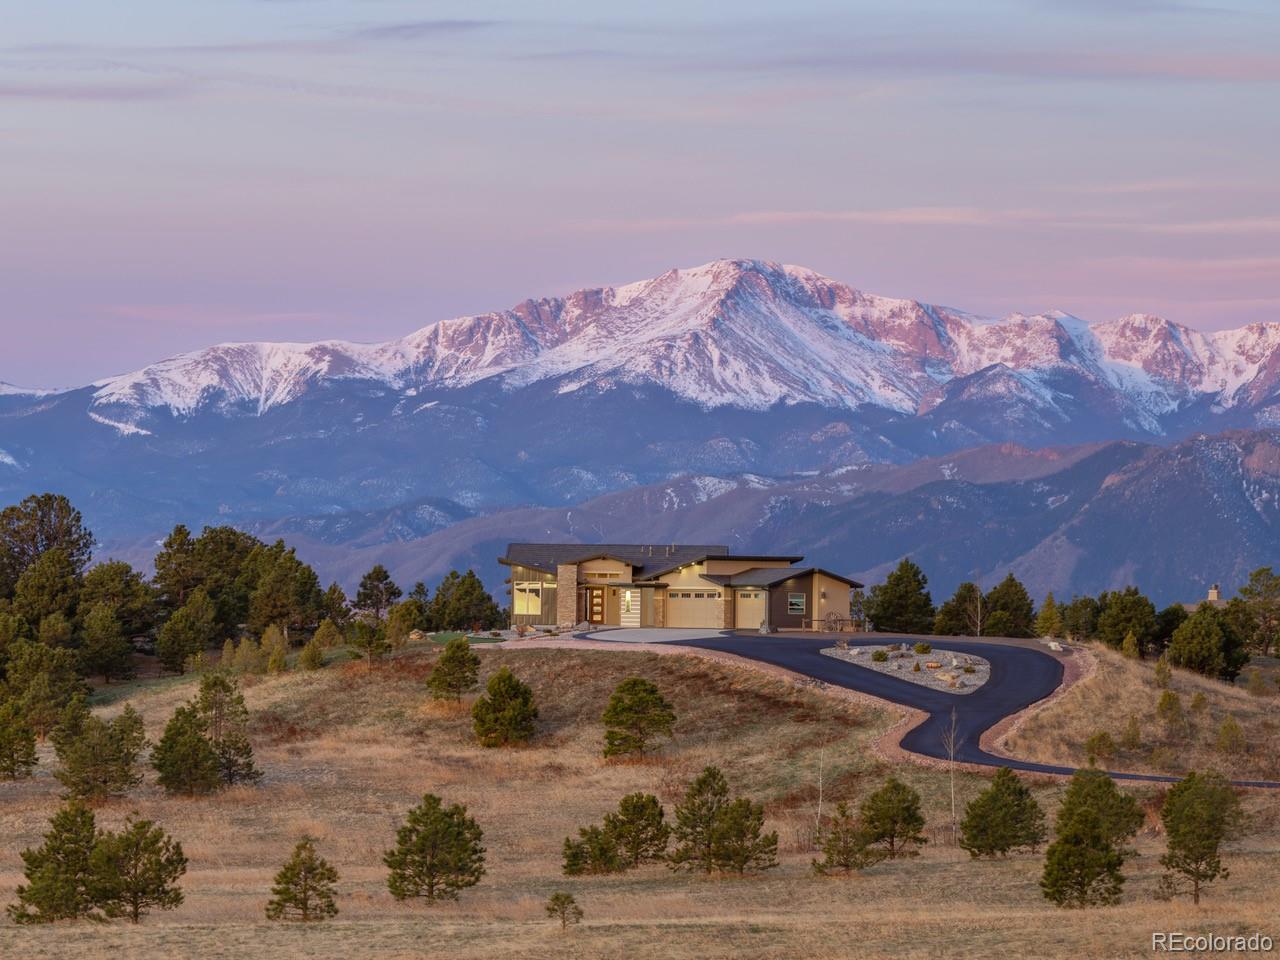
(527, 598)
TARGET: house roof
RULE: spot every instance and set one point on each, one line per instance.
(791, 558)
(768, 576)
(655, 557)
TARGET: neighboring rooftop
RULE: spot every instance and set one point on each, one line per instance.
(654, 557)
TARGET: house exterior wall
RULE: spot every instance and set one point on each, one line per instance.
(737, 566)
(567, 595)
(687, 578)
(547, 615)
(779, 615)
(836, 599)
(604, 570)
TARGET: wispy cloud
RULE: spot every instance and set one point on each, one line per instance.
(105, 93)
(418, 29)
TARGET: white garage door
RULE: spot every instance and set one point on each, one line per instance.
(749, 609)
(693, 608)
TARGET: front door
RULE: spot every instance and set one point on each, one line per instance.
(595, 604)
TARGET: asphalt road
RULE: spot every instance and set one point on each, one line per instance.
(1020, 676)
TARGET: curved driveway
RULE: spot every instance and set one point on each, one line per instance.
(1020, 676)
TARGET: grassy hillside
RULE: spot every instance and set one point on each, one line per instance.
(1121, 688)
(345, 753)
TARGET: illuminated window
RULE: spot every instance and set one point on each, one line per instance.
(527, 598)
(795, 603)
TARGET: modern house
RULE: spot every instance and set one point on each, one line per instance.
(668, 585)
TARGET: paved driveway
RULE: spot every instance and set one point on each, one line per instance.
(1020, 676)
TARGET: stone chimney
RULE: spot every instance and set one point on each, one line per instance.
(1215, 593)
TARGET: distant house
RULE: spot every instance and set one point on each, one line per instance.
(670, 585)
(1214, 599)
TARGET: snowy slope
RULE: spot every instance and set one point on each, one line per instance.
(738, 333)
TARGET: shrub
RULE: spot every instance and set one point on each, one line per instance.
(891, 816)
(968, 668)
(894, 647)
(1169, 709)
(916, 666)
(312, 656)
(844, 844)
(561, 906)
(1165, 758)
(1131, 737)
(1230, 737)
(1257, 684)
(1199, 703)
(455, 672)
(879, 656)
(1163, 673)
(506, 713)
(1099, 746)
(1003, 817)
(923, 648)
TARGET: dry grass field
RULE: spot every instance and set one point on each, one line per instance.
(345, 753)
(1121, 688)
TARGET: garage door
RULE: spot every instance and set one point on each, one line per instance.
(749, 609)
(693, 608)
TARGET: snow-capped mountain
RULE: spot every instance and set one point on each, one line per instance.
(744, 334)
(735, 368)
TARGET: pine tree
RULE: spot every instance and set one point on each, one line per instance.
(1163, 674)
(17, 742)
(1230, 740)
(1200, 813)
(47, 588)
(249, 658)
(304, 888)
(741, 845)
(1009, 605)
(891, 816)
(1208, 643)
(225, 722)
(1129, 647)
(40, 523)
(328, 635)
(455, 672)
(104, 648)
(43, 680)
(1117, 813)
(335, 607)
(137, 870)
(99, 759)
(177, 571)
(56, 631)
(371, 640)
(59, 874)
(125, 593)
(638, 829)
(1169, 710)
(277, 656)
(505, 714)
(1123, 612)
(192, 628)
(844, 844)
(1131, 738)
(312, 655)
(1049, 619)
(184, 757)
(228, 659)
(462, 603)
(902, 603)
(594, 852)
(403, 619)
(561, 906)
(377, 592)
(1082, 866)
(698, 818)
(1003, 817)
(964, 614)
(1261, 596)
(637, 712)
(437, 853)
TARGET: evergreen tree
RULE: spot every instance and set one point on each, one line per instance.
(249, 658)
(1010, 602)
(437, 853)
(1167, 621)
(698, 819)
(1230, 740)
(1003, 817)
(1206, 644)
(1200, 813)
(43, 680)
(1080, 619)
(304, 888)
(225, 722)
(177, 572)
(335, 606)
(1131, 738)
(561, 906)
(104, 648)
(456, 672)
(370, 638)
(56, 631)
(276, 649)
(1169, 710)
(228, 659)
(637, 712)
(594, 852)
(1261, 597)
(741, 845)
(312, 656)
(48, 587)
(124, 591)
(59, 874)
(99, 759)
(902, 603)
(17, 742)
(462, 603)
(1163, 674)
(1082, 866)
(404, 618)
(1123, 612)
(137, 870)
(192, 628)
(32, 528)
(184, 758)
(1118, 815)
(328, 635)
(1049, 619)
(1129, 647)
(377, 592)
(638, 829)
(505, 714)
(844, 844)
(891, 817)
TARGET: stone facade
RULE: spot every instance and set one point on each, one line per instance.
(725, 609)
(659, 608)
(567, 595)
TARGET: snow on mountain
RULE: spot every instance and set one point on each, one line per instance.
(737, 333)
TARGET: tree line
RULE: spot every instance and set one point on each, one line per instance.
(1215, 640)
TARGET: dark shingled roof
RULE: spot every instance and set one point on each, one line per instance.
(656, 557)
(768, 576)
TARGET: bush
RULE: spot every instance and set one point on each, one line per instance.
(1131, 737)
(916, 666)
(505, 715)
(1257, 684)
(455, 672)
(967, 668)
(1163, 673)
(894, 647)
(1100, 746)
(879, 656)
(923, 648)
(1169, 709)
(564, 908)
(1004, 817)
(312, 656)
(1230, 737)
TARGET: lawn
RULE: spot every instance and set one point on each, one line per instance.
(346, 751)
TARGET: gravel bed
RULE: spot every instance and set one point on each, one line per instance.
(939, 669)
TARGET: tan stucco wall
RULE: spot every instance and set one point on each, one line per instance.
(837, 598)
(688, 578)
(737, 566)
(587, 568)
